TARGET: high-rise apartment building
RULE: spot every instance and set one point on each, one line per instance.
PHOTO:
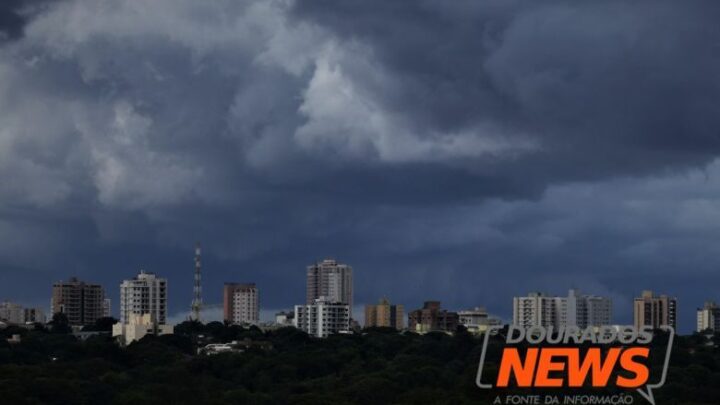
(323, 317)
(240, 303)
(586, 311)
(143, 308)
(537, 309)
(582, 311)
(80, 302)
(431, 318)
(708, 317)
(385, 315)
(655, 311)
(144, 294)
(331, 280)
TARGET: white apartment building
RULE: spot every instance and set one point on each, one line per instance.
(331, 280)
(587, 310)
(323, 317)
(708, 317)
(144, 294)
(143, 308)
(581, 311)
(537, 309)
(284, 318)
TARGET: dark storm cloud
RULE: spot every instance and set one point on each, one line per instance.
(607, 88)
(462, 151)
(14, 14)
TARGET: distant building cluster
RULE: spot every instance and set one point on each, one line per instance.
(577, 310)
(11, 312)
(328, 308)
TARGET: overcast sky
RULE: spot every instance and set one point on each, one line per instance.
(463, 151)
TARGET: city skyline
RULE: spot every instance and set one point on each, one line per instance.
(577, 308)
(465, 152)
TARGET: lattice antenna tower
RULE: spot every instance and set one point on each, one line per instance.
(197, 304)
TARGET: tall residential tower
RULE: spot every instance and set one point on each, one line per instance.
(655, 311)
(143, 308)
(82, 303)
(240, 303)
(330, 280)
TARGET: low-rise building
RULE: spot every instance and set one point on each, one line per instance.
(432, 318)
(236, 346)
(477, 320)
(284, 318)
(137, 326)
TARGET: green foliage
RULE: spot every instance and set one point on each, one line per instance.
(101, 325)
(380, 366)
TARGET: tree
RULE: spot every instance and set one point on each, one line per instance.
(104, 324)
(60, 323)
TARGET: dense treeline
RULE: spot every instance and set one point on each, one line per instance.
(380, 366)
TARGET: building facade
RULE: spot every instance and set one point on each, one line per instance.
(654, 311)
(477, 320)
(708, 317)
(586, 311)
(385, 315)
(107, 308)
(34, 315)
(331, 280)
(137, 327)
(537, 309)
(11, 312)
(323, 317)
(146, 294)
(240, 303)
(576, 310)
(283, 318)
(80, 302)
(143, 308)
(432, 318)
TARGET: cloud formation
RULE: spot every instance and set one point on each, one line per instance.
(446, 150)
